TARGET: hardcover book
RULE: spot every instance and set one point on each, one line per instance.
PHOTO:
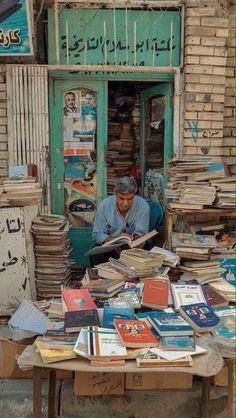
(155, 293)
(111, 312)
(76, 320)
(77, 299)
(135, 333)
(200, 316)
(186, 294)
(169, 324)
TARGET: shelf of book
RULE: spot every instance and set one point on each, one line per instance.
(171, 213)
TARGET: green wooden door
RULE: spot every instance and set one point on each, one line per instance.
(156, 115)
(78, 128)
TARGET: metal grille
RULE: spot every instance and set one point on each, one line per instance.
(28, 128)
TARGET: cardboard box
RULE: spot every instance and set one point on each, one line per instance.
(99, 383)
(221, 378)
(9, 368)
(148, 381)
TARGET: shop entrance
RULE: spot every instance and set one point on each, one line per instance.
(102, 130)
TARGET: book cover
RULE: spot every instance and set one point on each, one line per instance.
(200, 316)
(135, 333)
(213, 298)
(75, 320)
(104, 342)
(103, 285)
(230, 265)
(224, 332)
(169, 324)
(155, 293)
(184, 343)
(77, 299)
(186, 294)
(110, 313)
(150, 359)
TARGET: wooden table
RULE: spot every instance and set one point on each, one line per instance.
(170, 213)
(80, 364)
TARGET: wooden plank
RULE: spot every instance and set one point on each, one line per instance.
(205, 397)
(37, 402)
(51, 393)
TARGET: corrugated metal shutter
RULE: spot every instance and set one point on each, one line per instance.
(28, 126)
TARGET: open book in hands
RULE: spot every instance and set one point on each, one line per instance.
(119, 241)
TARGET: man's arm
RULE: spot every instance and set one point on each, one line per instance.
(100, 226)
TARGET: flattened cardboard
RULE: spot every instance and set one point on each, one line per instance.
(148, 381)
(99, 383)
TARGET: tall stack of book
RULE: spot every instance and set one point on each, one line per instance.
(52, 252)
(20, 191)
(192, 182)
(225, 192)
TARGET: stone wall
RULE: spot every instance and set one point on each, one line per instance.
(208, 54)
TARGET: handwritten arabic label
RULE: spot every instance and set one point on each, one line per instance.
(14, 269)
(116, 38)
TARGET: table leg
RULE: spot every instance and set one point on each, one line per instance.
(230, 366)
(169, 227)
(205, 397)
(36, 392)
(51, 393)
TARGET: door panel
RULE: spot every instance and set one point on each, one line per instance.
(156, 134)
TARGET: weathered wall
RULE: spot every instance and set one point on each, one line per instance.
(3, 123)
(208, 118)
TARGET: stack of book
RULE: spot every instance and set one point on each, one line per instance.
(195, 247)
(52, 252)
(138, 263)
(105, 288)
(202, 272)
(225, 192)
(192, 181)
(20, 191)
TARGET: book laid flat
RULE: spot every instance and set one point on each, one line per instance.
(111, 312)
(155, 293)
(200, 316)
(213, 298)
(185, 294)
(76, 320)
(150, 359)
(77, 299)
(168, 324)
(119, 241)
(104, 342)
(50, 355)
(176, 343)
(135, 333)
(181, 239)
(103, 285)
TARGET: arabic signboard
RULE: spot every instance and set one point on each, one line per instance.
(14, 270)
(117, 37)
(15, 31)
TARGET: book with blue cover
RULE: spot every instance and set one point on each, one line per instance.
(176, 343)
(200, 316)
(230, 265)
(170, 324)
(111, 312)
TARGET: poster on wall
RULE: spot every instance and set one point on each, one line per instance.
(79, 126)
(15, 28)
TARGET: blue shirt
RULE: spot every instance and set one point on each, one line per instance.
(109, 221)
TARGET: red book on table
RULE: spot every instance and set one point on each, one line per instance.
(135, 333)
(155, 293)
(77, 300)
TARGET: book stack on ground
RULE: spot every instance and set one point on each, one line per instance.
(20, 191)
(104, 288)
(138, 263)
(52, 252)
(194, 247)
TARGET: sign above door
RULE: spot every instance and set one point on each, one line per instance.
(116, 37)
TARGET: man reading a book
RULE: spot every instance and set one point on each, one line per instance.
(124, 213)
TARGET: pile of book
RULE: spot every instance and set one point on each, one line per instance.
(194, 247)
(193, 182)
(52, 253)
(225, 192)
(137, 262)
(20, 191)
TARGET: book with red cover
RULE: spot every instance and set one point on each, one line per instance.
(135, 333)
(77, 300)
(155, 293)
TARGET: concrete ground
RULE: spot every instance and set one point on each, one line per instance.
(16, 402)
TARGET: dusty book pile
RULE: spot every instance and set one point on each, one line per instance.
(20, 191)
(225, 192)
(52, 252)
(194, 182)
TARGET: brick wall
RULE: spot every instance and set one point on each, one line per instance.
(207, 42)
